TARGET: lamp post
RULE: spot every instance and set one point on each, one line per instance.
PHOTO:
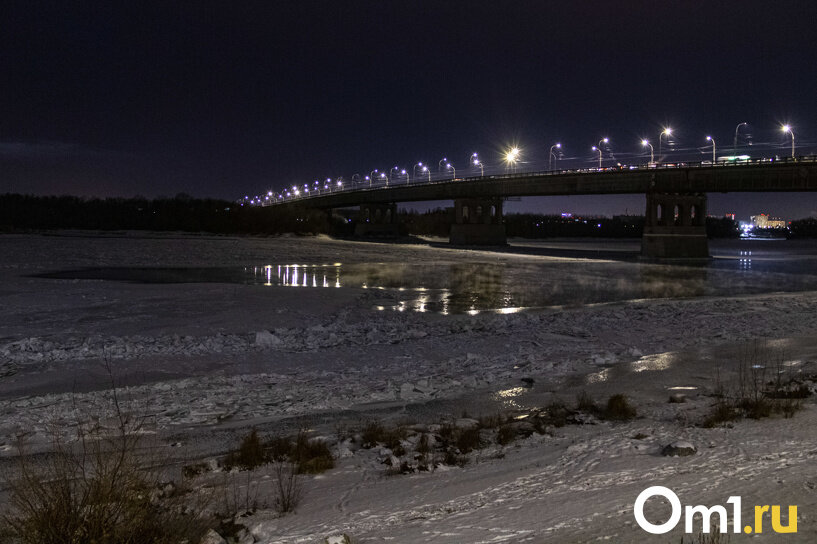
(711, 139)
(390, 171)
(481, 169)
(408, 179)
(666, 132)
(599, 150)
(645, 143)
(735, 143)
(787, 128)
(602, 141)
(552, 155)
(414, 170)
(371, 176)
(353, 179)
(440, 164)
(474, 158)
(428, 173)
(447, 166)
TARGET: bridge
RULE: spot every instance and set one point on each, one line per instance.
(675, 218)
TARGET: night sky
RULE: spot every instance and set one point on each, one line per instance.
(223, 99)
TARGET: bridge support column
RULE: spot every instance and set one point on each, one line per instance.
(478, 221)
(377, 220)
(675, 226)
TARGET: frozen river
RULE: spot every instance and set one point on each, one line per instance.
(214, 335)
(566, 275)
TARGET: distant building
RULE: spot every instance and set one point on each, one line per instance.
(730, 216)
(764, 221)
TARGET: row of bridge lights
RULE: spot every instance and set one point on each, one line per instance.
(511, 158)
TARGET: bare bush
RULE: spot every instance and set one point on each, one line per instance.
(99, 483)
(288, 487)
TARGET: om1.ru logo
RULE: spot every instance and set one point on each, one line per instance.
(706, 515)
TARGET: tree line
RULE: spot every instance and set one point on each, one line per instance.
(184, 213)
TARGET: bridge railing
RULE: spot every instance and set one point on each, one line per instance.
(504, 176)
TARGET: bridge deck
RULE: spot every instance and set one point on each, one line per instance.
(778, 176)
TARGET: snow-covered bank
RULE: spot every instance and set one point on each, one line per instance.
(210, 360)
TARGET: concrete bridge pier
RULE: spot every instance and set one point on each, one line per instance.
(478, 221)
(377, 220)
(675, 226)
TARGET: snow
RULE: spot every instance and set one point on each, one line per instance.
(207, 361)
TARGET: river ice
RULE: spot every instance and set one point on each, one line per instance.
(210, 360)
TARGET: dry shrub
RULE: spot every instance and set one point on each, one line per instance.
(585, 403)
(469, 440)
(619, 408)
(288, 487)
(311, 456)
(250, 453)
(505, 435)
(96, 485)
(764, 386)
(373, 433)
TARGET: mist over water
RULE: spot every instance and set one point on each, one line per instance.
(737, 268)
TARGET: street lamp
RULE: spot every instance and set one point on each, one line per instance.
(371, 177)
(711, 139)
(787, 128)
(511, 157)
(481, 169)
(390, 171)
(735, 143)
(645, 143)
(602, 141)
(448, 165)
(414, 170)
(428, 172)
(599, 150)
(474, 158)
(440, 164)
(552, 155)
(666, 132)
(408, 179)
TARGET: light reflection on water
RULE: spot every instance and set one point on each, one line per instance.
(473, 288)
(507, 397)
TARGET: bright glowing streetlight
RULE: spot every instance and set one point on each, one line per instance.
(481, 168)
(408, 179)
(711, 139)
(552, 155)
(474, 158)
(735, 143)
(666, 132)
(787, 128)
(645, 143)
(448, 165)
(602, 141)
(599, 150)
(428, 172)
(371, 177)
(511, 157)
(440, 164)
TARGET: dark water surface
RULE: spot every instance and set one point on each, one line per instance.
(737, 268)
